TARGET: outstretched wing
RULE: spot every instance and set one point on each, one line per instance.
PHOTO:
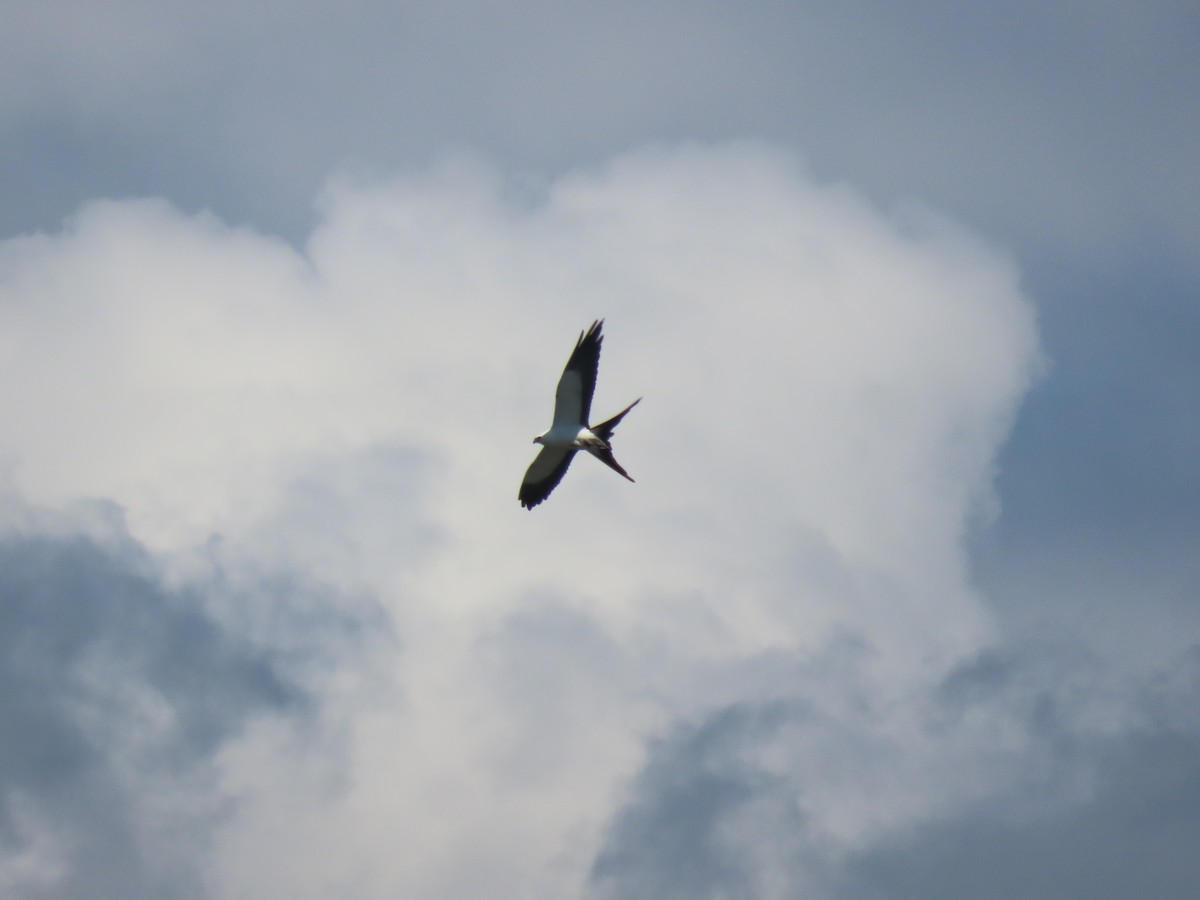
(544, 474)
(573, 399)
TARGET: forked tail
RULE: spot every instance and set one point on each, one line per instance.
(605, 429)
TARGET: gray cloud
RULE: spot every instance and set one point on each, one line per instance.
(1134, 838)
(1102, 800)
(679, 839)
(1130, 836)
(120, 690)
(216, 105)
(1099, 496)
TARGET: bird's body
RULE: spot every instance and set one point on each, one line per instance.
(568, 435)
(570, 431)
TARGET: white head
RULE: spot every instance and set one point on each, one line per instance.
(540, 439)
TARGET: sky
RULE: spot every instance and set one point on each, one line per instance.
(903, 603)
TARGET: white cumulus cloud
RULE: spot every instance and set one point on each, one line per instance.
(826, 387)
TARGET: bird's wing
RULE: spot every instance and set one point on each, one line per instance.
(573, 399)
(544, 474)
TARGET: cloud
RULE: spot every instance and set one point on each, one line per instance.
(1064, 136)
(1127, 835)
(119, 692)
(1058, 782)
(313, 430)
(768, 655)
(686, 834)
(1062, 140)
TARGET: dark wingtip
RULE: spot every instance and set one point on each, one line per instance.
(591, 333)
(530, 497)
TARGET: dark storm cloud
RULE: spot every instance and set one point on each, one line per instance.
(1093, 810)
(673, 840)
(1135, 838)
(118, 692)
(1132, 836)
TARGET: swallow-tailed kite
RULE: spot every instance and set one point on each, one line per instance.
(570, 432)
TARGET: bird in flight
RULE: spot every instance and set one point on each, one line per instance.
(570, 431)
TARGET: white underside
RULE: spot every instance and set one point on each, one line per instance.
(570, 436)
